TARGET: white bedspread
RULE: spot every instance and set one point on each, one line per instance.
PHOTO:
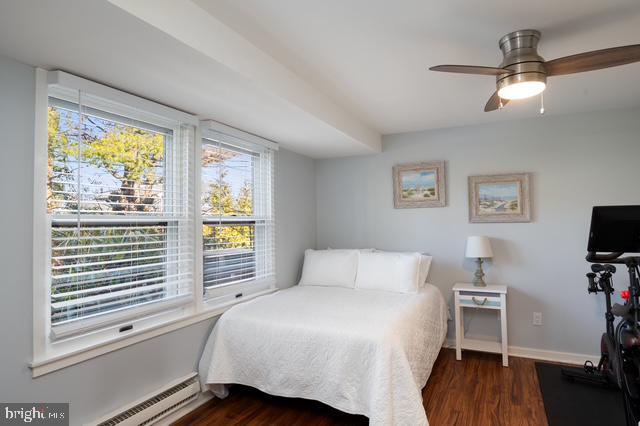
(360, 351)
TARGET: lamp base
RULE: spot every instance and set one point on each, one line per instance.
(478, 280)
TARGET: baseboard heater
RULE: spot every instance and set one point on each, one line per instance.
(156, 406)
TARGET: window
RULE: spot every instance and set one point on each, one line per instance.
(136, 231)
(120, 224)
(237, 215)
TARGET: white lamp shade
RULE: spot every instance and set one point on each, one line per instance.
(478, 246)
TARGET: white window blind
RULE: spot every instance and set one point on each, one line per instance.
(237, 201)
(120, 209)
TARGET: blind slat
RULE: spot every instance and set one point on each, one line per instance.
(113, 280)
(159, 266)
(120, 296)
(116, 253)
(82, 289)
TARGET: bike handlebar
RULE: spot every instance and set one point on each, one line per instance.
(594, 257)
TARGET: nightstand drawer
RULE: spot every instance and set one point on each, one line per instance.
(479, 300)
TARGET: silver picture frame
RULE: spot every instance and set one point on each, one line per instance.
(504, 198)
(419, 185)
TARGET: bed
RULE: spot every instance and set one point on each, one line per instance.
(362, 351)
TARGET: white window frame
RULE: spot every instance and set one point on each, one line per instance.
(105, 324)
(50, 355)
(226, 293)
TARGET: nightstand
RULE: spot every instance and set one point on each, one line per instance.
(490, 297)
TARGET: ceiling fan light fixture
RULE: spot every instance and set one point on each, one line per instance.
(523, 72)
(522, 90)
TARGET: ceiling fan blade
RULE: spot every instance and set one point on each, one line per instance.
(594, 60)
(471, 69)
(494, 102)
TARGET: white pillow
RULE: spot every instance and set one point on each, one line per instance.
(397, 272)
(331, 268)
(425, 265)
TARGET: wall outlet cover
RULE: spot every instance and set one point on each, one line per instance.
(537, 318)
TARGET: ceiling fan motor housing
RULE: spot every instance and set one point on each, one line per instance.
(519, 49)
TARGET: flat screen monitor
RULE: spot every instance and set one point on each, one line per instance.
(615, 229)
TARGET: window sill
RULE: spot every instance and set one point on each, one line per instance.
(47, 365)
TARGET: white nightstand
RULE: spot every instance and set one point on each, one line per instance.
(490, 297)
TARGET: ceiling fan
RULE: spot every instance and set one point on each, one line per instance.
(523, 73)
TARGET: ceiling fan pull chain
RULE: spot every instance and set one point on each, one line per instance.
(500, 106)
(541, 103)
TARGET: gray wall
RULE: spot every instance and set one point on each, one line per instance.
(102, 384)
(577, 161)
(295, 214)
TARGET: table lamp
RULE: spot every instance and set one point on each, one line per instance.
(479, 248)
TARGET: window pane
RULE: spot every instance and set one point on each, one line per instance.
(229, 248)
(229, 254)
(227, 181)
(98, 268)
(103, 166)
(118, 199)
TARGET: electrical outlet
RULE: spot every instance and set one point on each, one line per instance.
(537, 318)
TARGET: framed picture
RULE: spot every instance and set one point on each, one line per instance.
(419, 185)
(499, 198)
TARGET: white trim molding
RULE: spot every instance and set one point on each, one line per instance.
(542, 354)
(45, 366)
(40, 259)
(554, 356)
(209, 126)
(61, 78)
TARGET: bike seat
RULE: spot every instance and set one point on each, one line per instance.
(620, 310)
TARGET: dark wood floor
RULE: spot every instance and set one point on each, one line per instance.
(475, 391)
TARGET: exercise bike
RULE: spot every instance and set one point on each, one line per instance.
(615, 230)
(600, 281)
(619, 363)
(627, 340)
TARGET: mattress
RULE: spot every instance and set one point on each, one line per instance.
(361, 351)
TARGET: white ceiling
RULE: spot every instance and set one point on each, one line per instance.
(323, 78)
(211, 72)
(371, 56)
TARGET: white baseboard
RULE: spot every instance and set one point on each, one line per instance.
(202, 398)
(542, 354)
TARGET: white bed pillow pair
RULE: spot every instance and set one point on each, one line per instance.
(399, 272)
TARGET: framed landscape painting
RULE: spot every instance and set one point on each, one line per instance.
(499, 198)
(419, 185)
